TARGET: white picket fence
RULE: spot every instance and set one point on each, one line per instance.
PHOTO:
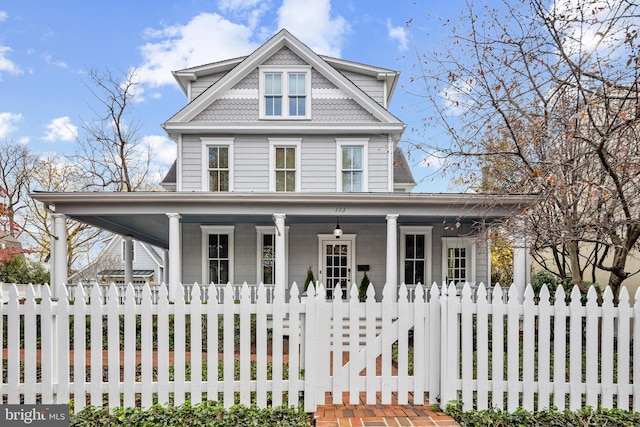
(471, 345)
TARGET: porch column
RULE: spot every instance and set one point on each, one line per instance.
(128, 260)
(165, 267)
(281, 268)
(520, 261)
(61, 273)
(175, 270)
(392, 253)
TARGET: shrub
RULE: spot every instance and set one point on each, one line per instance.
(205, 414)
(586, 416)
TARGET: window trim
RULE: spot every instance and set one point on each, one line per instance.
(207, 142)
(285, 142)
(353, 142)
(261, 230)
(206, 230)
(285, 71)
(427, 232)
(459, 242)
(133, 250)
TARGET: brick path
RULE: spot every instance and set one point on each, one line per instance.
(379, 415)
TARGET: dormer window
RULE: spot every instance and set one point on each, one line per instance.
(285, 93)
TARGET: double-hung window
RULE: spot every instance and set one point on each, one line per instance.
(217, 246)
(458, 259)
(217, 158)
(285, 93)
(284, 164)
(352, 173)
(266, 255)
(415, 254)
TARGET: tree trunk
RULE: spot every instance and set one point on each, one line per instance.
(618, 275)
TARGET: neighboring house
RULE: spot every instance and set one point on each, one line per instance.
(109, 266)
(287, 159)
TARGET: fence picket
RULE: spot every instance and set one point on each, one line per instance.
(482, 328)
(544, 339)
(261, 346)
(146, 344)
(528, 349)
(337, 349)
(113, 345)
(195, 312)
(623, 340)
(179, 346)
(129, 346)
(228, 346)
(13, 343)
(96, 310)
(420, 339)
(591, 349)
(370, 339)
(163, 345)
(466, 346)
(294, 345)
(79, 352)
(30, 352)
(575, 353)
(403, 322)
(212, 310)
(434, 342)
(245, 345)
(513, 350)
(497, 343)
(559, 349)
(607, 343)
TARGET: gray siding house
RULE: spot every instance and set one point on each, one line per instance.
(289, 160)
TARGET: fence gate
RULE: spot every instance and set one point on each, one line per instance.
(370, 347)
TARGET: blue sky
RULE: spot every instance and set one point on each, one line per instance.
(46, 49)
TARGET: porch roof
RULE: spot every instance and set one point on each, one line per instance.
(142, 215)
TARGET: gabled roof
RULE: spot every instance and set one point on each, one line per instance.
(402, 175)
(239, 68)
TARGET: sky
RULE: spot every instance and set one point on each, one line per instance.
(47, 49)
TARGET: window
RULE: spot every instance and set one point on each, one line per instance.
(284, 93)
(267, 253)
(458, 259)
(352, 175)
(415, 254)
(284, 162)
(133, 250)
(217, 158)
(217, 245)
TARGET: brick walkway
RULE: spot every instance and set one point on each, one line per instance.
(379, 415)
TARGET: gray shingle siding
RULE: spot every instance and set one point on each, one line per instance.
(203, 84)
(370, 85)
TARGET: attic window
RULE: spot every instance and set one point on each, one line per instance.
(285, 93)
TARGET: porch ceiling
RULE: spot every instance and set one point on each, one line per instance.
(143, 215)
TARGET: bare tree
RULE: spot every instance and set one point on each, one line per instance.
(543, 96)
(17, 164)
(54, 174)
(111, 152)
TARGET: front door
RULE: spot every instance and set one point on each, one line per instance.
(336, 272)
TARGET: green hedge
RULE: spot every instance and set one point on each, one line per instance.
(205, 414)
(585, 417)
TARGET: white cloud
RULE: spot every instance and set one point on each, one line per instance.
(3, 15)
(6, 64)
(208, 37)
(8, 122)
(58, 63)
(434, 160)
(238, 4)
(163, 148)
(61, 129)
(311, 22)
(399, 34)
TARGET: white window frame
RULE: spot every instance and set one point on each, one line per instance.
(284, 142)
(215, 142)
(285, 71)
(460, 242)
(133, 250)
(427, 232)
(206, 230)
(353, 142)
(261, 230)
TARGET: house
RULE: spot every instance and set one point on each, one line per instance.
(109, 266)
(287, 160)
